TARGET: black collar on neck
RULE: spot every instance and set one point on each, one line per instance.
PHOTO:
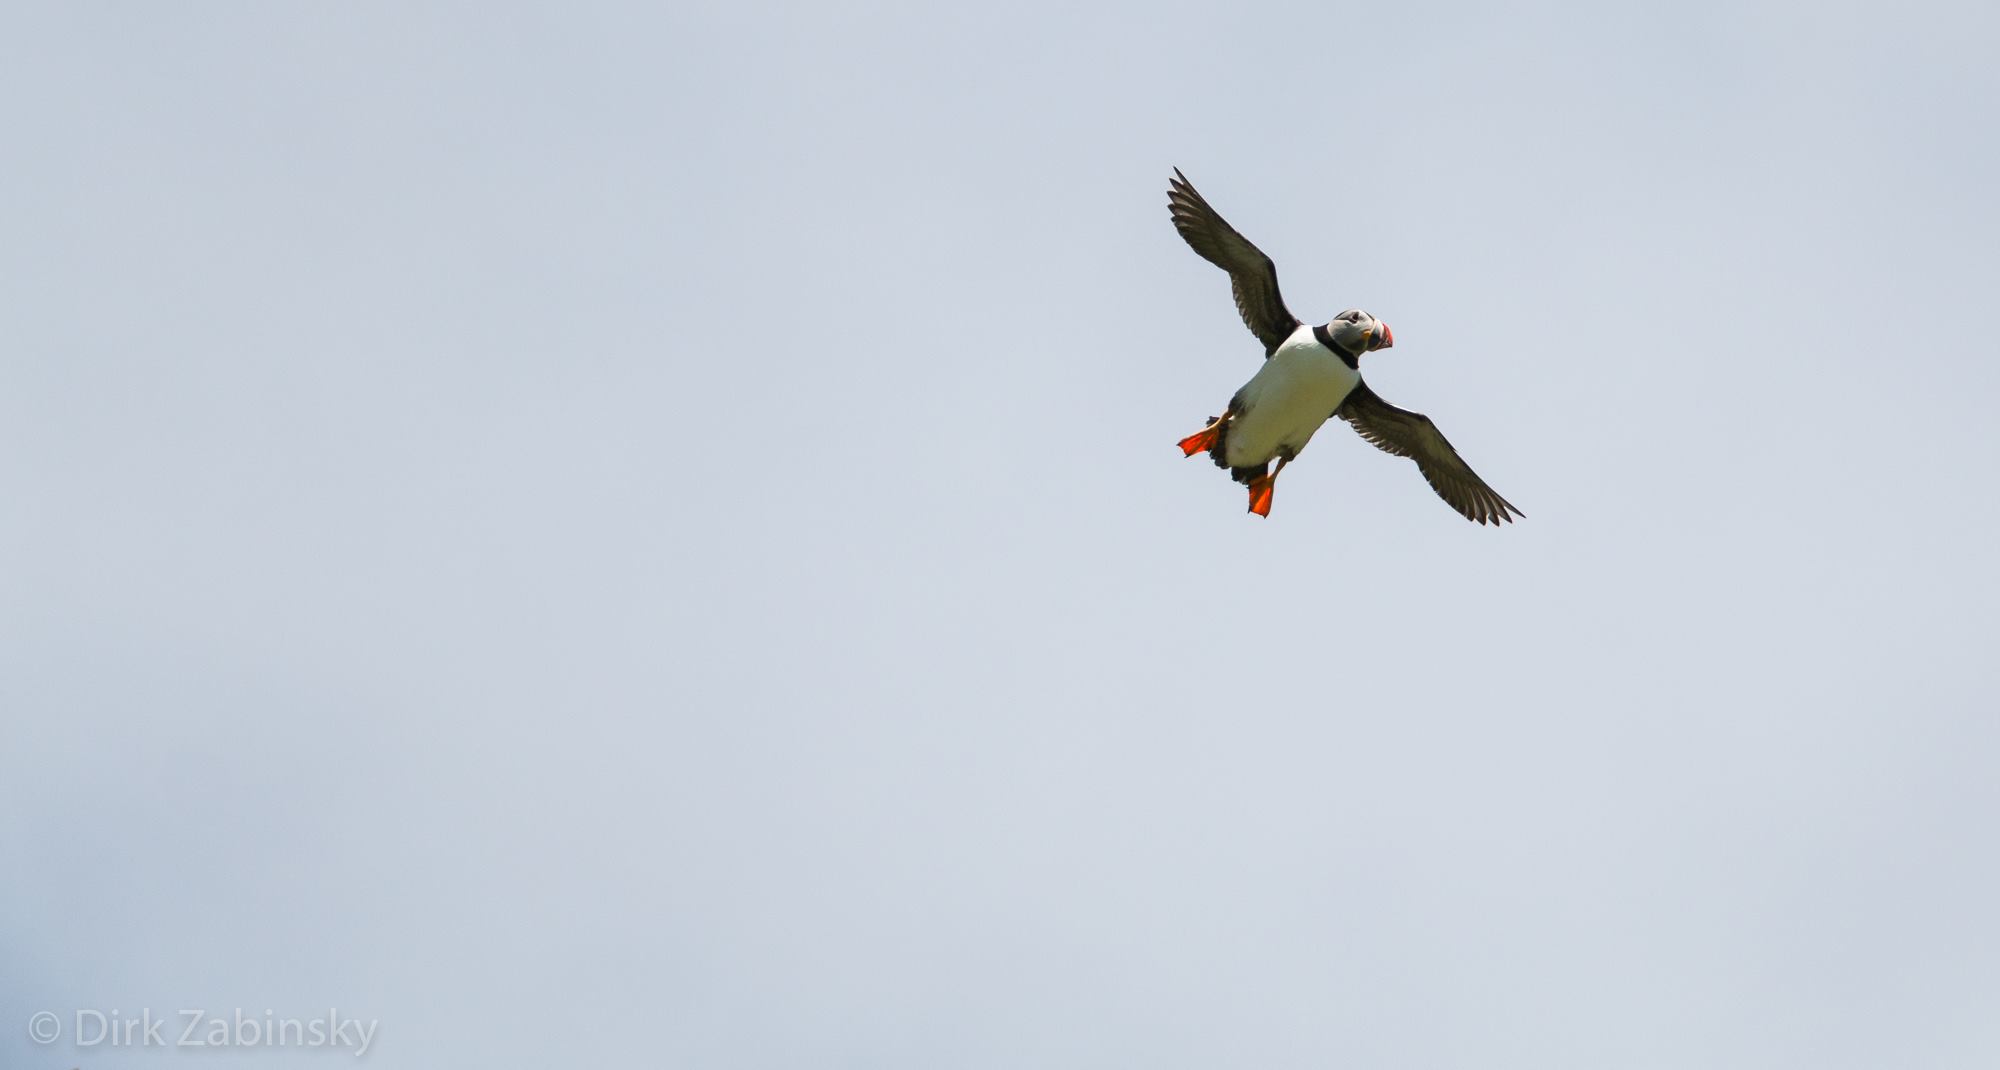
(1352, 360)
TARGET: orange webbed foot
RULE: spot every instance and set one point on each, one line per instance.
(1260, 494)
(1202, 441)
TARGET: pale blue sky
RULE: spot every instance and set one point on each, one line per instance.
(651, 533)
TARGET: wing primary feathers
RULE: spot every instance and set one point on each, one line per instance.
(1412, 434)
(1253, 279)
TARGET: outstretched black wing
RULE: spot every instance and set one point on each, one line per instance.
(1252, 276)
(1413, 435)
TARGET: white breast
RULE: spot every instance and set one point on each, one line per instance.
(1285, 402)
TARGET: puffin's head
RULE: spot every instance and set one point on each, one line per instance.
(1360, 332)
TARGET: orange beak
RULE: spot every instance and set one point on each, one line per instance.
(1388, 337)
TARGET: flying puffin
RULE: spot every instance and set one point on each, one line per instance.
(1310, 374)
